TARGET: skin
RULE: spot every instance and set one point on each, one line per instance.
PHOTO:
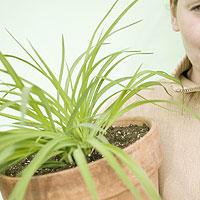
(185, 17)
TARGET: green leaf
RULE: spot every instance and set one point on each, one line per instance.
(115, 165)
(83, 166)
(6, 153)
(40, 158)
(137, 171)
(36, 90)
(11, 71)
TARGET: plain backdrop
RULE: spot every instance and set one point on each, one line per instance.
(44, 21)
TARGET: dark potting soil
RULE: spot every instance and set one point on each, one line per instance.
(119, 136)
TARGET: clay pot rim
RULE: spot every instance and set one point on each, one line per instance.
(149, 121)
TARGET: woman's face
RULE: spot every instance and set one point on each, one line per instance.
(186, 19)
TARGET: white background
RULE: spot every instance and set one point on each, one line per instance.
(44, 21)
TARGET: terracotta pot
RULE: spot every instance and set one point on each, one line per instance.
(68, 184)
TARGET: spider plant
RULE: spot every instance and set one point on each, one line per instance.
(71, 124)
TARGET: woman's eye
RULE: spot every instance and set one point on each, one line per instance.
(196, 8)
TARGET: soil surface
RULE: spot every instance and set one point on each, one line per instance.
(119, 136)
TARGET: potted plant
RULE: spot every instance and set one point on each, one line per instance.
(65, 132)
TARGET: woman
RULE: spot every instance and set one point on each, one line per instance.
(179, 175)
